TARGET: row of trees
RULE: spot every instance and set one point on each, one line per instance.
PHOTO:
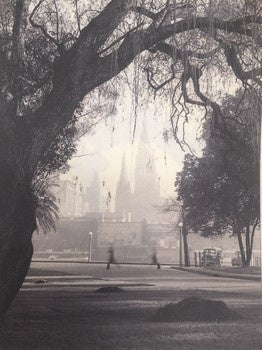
(219, 192)
(55, 54)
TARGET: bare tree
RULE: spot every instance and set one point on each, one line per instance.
(175, 206)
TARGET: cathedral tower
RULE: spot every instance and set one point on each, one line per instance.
(146, 188)
(94, 195)
(146, 191)
(123, 193)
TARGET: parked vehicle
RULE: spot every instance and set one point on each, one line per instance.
(212, 257)
(236, 260)
(255, 260)
(227, 256)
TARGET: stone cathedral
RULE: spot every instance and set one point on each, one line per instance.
(141, 203)
(74, 201)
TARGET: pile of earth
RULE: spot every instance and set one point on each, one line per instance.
(195, 309)
(110, 289)
(41, 281)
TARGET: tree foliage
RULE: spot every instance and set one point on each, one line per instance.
(54, 53)
(47, 212)
(220, 190)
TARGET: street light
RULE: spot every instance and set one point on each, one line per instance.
(74, 197)
(90, 245)
(180, 243)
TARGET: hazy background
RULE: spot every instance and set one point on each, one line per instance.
(102, 150)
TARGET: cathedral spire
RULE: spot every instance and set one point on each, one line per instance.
(146, 189)
(123, 174)
(123, 193)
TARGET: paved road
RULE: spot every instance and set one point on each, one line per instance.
(137, 276)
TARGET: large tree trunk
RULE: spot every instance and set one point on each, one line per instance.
(237, 231)
(253, 230)
(248, 246)
(15, 258)
(17, 224)
(246, 251)
(186, 250)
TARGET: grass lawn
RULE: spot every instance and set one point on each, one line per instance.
(80, 318)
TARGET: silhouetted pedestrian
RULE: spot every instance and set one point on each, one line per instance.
(155, 261)
(111, 258)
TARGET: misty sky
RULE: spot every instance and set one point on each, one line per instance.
(102, 150)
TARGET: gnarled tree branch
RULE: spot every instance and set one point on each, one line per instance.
(80, 69)
(234, 63)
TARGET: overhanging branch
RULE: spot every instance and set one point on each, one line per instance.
(234, 63)
(95, 34)
(81, 70)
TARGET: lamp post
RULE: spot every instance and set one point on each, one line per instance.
(90, 245)
(74, 197)
(180, 243)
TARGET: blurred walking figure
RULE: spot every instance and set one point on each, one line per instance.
(155, 261)
(111, 258)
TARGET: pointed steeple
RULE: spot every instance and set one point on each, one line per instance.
(123, 175)
(123, 192)
(146, 189)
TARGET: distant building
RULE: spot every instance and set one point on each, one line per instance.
(146, 191)
(70, 235)
(123, 205)
(136, 226)
(160, 235)
(132, 241)
(74, 201)
(93, 195)
(70, 197)
(141, 203)
(119, 234)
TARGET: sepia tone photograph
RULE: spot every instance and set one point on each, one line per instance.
(130, 134)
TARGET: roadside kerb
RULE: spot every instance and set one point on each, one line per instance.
(213, 273)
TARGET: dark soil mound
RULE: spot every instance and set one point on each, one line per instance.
(110, 289)
(41, 281)
(195, 310)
